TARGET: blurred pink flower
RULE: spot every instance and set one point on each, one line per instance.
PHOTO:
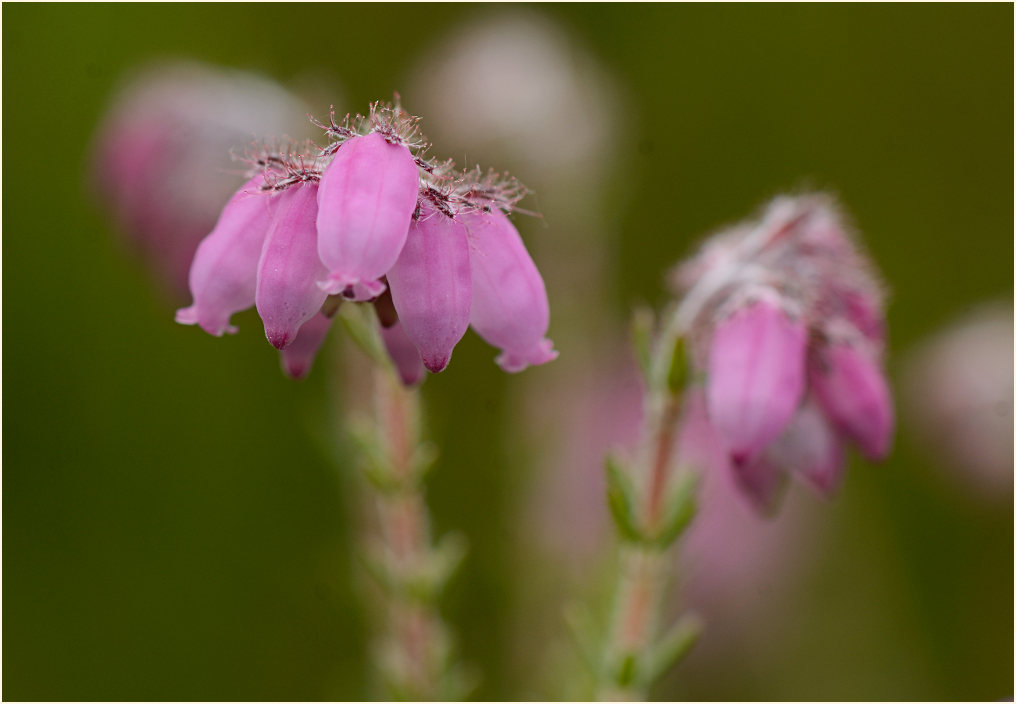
(785, 318)
(368, 215)
(958, 388)
(161, 156)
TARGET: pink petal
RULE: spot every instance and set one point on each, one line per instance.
(811, 448)
(366, 199)
(224, 273)
(510, 308)
(298, 358)
(431, 288)
(404, 354)
(756, 377)
(287, 292)
(853, 391)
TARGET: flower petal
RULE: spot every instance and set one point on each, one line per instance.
(287, 294)
(510, 308)
(431, 287)
(756, 377)
(404, 354)
(223, 275)
(853, 391)
(298, 358)
(366, 199)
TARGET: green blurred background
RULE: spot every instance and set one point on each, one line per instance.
(173, 529)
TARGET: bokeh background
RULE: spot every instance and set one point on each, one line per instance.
(177, 520)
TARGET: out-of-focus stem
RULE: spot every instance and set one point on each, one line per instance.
(415, 636)
(630, 660)
(413, 644)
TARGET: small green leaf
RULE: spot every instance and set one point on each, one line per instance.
(677, 374)
(679, 511)
(674, 645)
(627, 670)
(620, 500)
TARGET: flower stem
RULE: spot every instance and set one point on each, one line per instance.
(413, 643)
(649, 524)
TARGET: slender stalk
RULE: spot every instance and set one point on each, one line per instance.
(413, 643)
(651, 520)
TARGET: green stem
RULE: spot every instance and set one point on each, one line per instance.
(633, 654)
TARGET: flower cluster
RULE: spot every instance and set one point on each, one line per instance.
(369, 218)
(785, 319)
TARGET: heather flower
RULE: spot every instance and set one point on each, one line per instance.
(785, 320)
(367, 217)
(432, 287)
(161, 155)
(510, 307)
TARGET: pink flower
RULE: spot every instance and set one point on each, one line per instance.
(756, 373)
(432, 288)
(298, 357)
(852, 390)
(510, 307)
(403, 354)
(287, 293)
(785, 319)
(223, 276)
(367, 209)
(367, 197)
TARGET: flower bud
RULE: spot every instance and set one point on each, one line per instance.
(756, 377)
(510, 308)
(298, 357)
(431, 287)
(223, 275)
(404, 354)
(852, 389)
(366, 199)
(287, 294)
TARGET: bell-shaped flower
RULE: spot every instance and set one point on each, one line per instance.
(431, 286)
(223, 276)
(287, 293)
(811, 448)
(850, 385)
(298, 357)
(403, 354)
(510, 308)
(366, 200)
(756, 376)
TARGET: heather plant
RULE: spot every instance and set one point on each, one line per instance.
(768, 363)
(427, 250)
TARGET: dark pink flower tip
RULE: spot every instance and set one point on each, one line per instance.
(366, 200)
(431, 287)
(756, 377)
(510, 308)
(287, 294)
(852, 389)
(298, 358)
(403, 354)
(223, 275)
